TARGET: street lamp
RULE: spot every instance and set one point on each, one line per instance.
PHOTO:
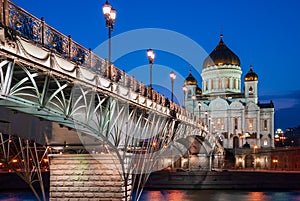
(209, 119)
(173, 77)
(193, 98)
(255, 148)
(110, 15)
(206, 113)
(212, 126)
(184, 93)
(199, 107)
(151, 56)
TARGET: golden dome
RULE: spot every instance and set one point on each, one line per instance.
(190, 80)
(251, 75)
(198, 91)
(221, 55)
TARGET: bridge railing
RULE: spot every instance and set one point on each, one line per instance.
(37, 31)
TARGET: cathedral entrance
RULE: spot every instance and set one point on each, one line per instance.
(249, 161)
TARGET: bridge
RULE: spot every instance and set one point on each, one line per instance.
(99, 128)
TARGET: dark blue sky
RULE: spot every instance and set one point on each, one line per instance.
(265, 34)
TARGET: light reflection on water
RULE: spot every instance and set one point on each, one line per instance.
(186, 195)
(219, 195)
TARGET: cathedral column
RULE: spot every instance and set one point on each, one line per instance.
(223, 83)
(258, 128)
(230, 130)
(272, 129)
(243, 122)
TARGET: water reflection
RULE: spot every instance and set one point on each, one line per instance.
(218, 195)
(166, 195)
(257, 196)
(185, 195)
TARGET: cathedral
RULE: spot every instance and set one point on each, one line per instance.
(231, 112)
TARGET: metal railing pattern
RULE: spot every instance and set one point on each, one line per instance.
(37, 31)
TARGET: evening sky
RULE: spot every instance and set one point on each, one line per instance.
(264, 34)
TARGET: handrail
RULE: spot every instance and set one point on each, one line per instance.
(39, 32)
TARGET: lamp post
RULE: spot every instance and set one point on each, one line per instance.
(110, 15)
(173, 77)
(184, 93)
(212, 127)
(199, 107)
(151, 56)
(206, 113)
(209, 119)
(193, 98)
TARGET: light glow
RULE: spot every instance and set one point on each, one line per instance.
(151, 55)
(106, 8)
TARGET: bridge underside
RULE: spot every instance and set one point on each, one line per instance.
(40, 130)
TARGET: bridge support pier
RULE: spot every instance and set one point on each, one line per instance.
(87, 177)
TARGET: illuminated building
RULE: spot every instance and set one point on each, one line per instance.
(235, 116)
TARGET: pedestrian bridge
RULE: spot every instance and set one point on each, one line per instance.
(60, 94)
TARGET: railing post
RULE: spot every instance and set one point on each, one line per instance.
(43, 31)
(5, 13)
(124, 78)
(90, 59)
(70, 47)
(2, 16)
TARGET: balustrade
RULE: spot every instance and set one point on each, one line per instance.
(21, 23)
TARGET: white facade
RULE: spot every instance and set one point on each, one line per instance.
(234, 115)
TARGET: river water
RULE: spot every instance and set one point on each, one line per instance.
(186, 195)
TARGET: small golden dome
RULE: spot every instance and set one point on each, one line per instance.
(198, 91)
(221, 55)
(190, 80)
(251, 75)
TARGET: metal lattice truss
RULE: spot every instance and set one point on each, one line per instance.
(26, 159)
(137, 136)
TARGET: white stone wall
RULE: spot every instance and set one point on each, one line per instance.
(85, 177)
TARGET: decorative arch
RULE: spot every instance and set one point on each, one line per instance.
(265, 142)
(236, 105)
(218, 104)
(252, 106)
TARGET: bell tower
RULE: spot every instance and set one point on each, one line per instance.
(251, 81)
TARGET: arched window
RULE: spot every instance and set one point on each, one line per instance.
(265, 124)
(234, 83)
(218, 123)
(250, 90)
(235, 123)
(250, 124)
(265, 142)
(189, 94)
(227, 83)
